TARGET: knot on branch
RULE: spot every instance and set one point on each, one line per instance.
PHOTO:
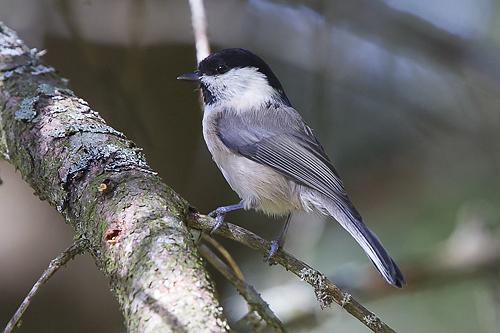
(317, 280)
(372, 321)
(106, 186)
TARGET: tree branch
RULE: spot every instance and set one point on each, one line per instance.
(100, 182)
(61, 260)
(326, 292)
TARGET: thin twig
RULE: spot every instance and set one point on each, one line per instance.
(326, 292)
(62, 259)
(199, 22)
(225, 253)
(248, 292)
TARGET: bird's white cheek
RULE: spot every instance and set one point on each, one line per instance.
(251, 95)
(241, 88)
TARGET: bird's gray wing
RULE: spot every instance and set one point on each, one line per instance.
(282, 141)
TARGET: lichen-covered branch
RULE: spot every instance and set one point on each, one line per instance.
(326, 292)
(102, 185)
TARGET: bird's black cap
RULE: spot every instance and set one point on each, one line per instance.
(227, 59)
(224, 60)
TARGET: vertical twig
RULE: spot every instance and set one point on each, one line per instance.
(199, 22)
(62, 259)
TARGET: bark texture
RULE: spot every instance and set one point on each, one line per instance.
(102, 185)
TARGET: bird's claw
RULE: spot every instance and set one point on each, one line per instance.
(274, 246)
(219, 220)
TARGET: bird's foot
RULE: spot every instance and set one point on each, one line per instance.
(220, 212)
(218, 215)
(277, 244)
(274, 246)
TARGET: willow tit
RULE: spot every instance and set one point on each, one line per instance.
(268, 155)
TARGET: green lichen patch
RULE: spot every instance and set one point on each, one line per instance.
(11, 47)
(52, 90)
(27, 107)
(75, 128)
(46, 89)
(26, 111)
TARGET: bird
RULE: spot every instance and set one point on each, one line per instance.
(269, 156)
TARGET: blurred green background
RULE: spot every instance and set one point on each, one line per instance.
(404, 95)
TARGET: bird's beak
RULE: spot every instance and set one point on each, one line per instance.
(192, 76)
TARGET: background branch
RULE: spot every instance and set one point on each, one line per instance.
(199, 22)
(61, 260)
(225, 254)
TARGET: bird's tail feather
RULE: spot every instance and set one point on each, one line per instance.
(351, 221)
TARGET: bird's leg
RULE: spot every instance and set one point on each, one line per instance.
(219, 213)
(278, 243)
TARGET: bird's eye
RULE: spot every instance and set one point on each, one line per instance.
(221, 69)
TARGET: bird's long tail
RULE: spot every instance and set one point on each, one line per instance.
(351, 221)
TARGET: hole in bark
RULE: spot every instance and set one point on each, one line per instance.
(112, 234)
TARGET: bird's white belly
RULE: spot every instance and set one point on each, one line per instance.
(259, 186)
